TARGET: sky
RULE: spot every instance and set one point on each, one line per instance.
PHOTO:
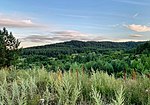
(39, 22)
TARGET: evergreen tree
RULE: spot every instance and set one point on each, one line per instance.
(8, 48)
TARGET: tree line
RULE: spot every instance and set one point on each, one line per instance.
(72, 47)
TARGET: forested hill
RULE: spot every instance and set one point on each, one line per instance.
(75, 46)
(143, 48)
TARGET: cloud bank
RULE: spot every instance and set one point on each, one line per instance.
(62, 36)
(13, 23)
(138, 28)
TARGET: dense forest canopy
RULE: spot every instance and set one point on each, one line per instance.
(143, 48)
(74, 46)
(111, 57)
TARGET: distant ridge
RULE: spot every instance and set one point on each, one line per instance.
(75, 46)
(77, 43)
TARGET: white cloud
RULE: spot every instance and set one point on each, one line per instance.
(136, 35)
(15, 23)
(138, 28)
(27, 21)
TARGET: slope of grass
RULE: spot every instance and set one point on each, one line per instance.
(32, 87)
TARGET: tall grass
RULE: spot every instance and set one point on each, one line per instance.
(33, 87)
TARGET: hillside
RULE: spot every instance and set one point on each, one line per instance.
(75, 46)
(143, 48)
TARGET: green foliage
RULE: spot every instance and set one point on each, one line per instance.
(97, 97)
(143, 48)
(8, 48)
(137, 91)
(110, 63)
(30, 87)
(113, 61)
(119, 97)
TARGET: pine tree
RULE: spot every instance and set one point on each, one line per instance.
(8, 48)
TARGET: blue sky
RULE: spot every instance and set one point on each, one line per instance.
(38, 22)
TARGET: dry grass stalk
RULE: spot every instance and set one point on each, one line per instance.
(71, 72)
(124, 75)
(77, 74)
(59, 75)
(134, 75)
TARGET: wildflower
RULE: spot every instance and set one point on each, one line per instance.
(42, 101)
(146, 90)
